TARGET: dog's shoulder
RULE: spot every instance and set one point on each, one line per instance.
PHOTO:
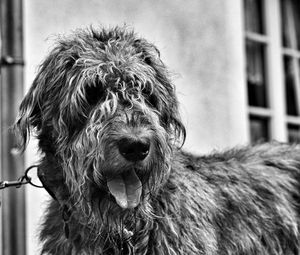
(268, 154)
(274, 166)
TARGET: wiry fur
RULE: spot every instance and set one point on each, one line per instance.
(99, 86)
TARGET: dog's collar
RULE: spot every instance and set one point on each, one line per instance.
(43, 179)
(66, 212)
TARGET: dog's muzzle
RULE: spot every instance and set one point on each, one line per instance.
(127, 187)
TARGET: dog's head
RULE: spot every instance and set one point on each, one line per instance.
(104, 109)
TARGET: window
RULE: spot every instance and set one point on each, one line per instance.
(290, 13)
(257, 86)
(272, 47)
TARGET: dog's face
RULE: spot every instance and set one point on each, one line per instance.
(103, 106)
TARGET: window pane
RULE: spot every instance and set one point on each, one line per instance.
(259, 129)
(254, 16)
(293, 133)
(291, 23)
(290, 87)
(256, 77)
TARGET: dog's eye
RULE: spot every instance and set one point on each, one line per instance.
(148, 61)
(152, 100)
(94, 94)
(127, 103)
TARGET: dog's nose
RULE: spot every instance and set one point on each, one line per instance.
(134, 150)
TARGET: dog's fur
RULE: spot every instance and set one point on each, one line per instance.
(99, 90)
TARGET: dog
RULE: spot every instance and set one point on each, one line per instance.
(105, 112)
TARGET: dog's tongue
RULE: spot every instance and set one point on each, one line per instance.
(126, 188)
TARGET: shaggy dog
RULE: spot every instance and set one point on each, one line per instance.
(106, 116)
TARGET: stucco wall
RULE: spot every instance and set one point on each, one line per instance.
(200, 41)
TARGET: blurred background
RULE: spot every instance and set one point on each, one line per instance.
(235, 65)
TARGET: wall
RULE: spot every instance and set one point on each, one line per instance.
(200, 41)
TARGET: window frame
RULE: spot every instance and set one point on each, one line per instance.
(276, 111)
(294, 55)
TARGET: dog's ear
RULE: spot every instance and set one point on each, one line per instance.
(171, 116)
(29, 116)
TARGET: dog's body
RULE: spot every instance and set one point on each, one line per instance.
(105, 113)
(241, 202)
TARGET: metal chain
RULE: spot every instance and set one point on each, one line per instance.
(24, 179)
